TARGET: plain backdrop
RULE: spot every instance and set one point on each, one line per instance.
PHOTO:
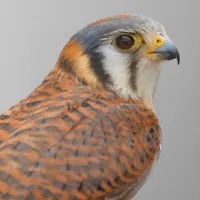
(32, 34)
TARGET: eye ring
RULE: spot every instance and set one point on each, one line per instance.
(127, 42)
(124, 42)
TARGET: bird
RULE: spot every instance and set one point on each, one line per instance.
(89, 131)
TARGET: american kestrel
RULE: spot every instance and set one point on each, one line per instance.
(89, 131)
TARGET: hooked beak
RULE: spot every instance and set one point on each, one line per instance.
(168, 51)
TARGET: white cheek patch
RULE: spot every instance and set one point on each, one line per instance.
(116, 64)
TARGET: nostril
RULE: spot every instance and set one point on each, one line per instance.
(158, 41)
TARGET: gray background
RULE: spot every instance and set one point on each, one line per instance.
(32, 34)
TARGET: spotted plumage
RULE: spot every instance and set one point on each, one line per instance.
(89, 132)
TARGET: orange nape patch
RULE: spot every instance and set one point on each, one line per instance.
(74, 54)
(108, 18)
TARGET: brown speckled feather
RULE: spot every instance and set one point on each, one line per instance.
(66, 141)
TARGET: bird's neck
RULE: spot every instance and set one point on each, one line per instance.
(58, 82)
(66, 76)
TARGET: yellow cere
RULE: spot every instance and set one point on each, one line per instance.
(158, 42)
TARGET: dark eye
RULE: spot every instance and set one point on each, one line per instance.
(125, 42)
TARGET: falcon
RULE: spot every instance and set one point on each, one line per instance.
(89, 130)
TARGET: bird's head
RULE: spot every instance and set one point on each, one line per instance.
(120, 53)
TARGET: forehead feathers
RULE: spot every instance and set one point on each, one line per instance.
(96, 33)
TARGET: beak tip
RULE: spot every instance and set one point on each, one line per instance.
(178, 57)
